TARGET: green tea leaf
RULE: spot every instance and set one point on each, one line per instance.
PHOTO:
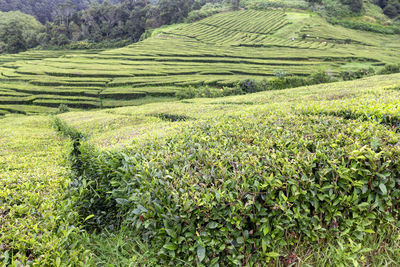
(201, 253)
(383, 189)
(272, 254)
(170, 246)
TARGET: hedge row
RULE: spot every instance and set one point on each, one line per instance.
(234, 190)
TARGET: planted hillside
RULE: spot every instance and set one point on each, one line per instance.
(218, 51)
(249, 179)
(228, 133)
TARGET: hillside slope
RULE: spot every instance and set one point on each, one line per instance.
(223, 150)
(266, 177)
(374, 98)
(218, 51)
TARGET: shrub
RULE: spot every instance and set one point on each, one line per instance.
(295, 81)
(390, 68)
(233, 192)
(280, 74)
(352, 75)
(207, 10)
(66, 130)
(320, 77)
(365, 26)
(186, 93)
(249, 86)
(63, 109)
(282, 80)
(207, 91)
(334, 8)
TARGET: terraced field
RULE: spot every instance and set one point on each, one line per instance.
(218, 51)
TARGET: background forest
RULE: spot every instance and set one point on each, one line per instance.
(81, 24)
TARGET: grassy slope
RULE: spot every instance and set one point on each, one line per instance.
(350, 108)
(219, 51)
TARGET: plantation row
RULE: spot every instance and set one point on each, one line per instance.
(243, 28)
(38, 55)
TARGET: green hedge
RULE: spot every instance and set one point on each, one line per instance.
(365, 26)
(233, 191)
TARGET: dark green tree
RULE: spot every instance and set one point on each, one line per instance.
(313, 2)
(356, 6)
(235, 4)
(18, 31)
(13, 38)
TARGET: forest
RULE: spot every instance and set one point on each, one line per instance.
(64, 22)
(82, 24)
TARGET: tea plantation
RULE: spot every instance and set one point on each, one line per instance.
(302, 176)
(103, 163)
(218, 51)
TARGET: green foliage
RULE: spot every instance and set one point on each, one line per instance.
(342, 8)
(366, 26)
(207, 10)
(113, 24)
(356, 6)
(83, 45)
(203, 161)
(174, 195)
(352, 75)
(249, 86)
(268, 4)
(390, 68)
(320, 77)
(17, 32)
(43, 10)
(207, 91)
(202, 59)
(391, 8)
(333, 8)
(278, 83)
(252, 86)
(63, 109)
(66, 130)
(38, 224)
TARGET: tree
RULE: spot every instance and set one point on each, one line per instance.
(13, 38)
(313, 2)
(356, 6)
(390, 10)
(18, 31)
(99, 20)
(235, 4)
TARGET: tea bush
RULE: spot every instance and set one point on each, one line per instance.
(249, 86)
(208, 91)
(63, 109)
(233, 190)
(38, 224)
(352, 75)
(279, 82)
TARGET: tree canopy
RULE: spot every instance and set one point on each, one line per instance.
(18, 31)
